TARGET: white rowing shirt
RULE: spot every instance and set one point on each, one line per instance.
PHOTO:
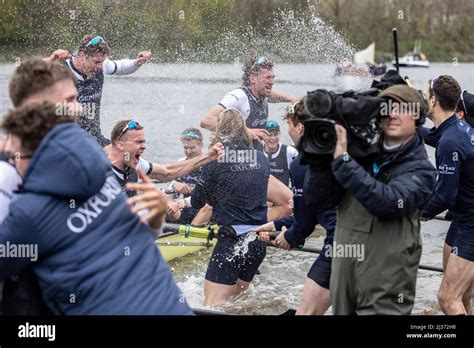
(9, 182)
(90, 93)
(254, 111)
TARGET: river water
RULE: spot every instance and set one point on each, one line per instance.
(167, 98)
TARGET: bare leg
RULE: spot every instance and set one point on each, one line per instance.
(457, 280)
(241, 286)
(466, 300)
(203, 216)
(446, 252)
(216, 294)
(315, 300)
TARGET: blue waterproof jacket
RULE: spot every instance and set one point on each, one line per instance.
(93, 255)
(302, 223)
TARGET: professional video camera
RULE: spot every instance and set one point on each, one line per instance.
(360, 114)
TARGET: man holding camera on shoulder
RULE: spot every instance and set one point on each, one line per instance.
(379, 213)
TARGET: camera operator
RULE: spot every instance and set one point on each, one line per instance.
(379, 213)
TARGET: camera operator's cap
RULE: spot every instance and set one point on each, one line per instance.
(405, 94)
(272, 126)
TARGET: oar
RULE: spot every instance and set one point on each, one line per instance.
(275, 234)
(188, 231)
(395, 48)
(183, 243)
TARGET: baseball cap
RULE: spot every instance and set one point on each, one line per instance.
(405, 94)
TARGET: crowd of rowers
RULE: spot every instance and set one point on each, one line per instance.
(89, 204)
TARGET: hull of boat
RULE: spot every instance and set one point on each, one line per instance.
(175, 246)
(412, 64)
(181, 240)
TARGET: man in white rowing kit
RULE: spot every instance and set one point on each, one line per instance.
(252, 98)
(128, 144)
(90, 66)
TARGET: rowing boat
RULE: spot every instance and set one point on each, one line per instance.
(181, 240)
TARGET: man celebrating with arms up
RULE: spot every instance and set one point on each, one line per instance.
(90, 66)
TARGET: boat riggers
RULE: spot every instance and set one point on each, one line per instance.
(190, 231)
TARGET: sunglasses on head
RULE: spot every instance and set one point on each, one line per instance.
(260, 60)
(130, 125)
(433, 81)
(272, 124)
(95, 41)
(462, 99)
(291, 109)
(191, 134)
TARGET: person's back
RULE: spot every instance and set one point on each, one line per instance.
(94, 255)
(237, 186)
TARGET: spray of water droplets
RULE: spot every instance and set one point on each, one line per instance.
(241, 248)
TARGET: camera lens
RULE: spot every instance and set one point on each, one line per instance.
(323, 136)
(320, 136)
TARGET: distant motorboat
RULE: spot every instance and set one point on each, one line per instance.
(414, 59)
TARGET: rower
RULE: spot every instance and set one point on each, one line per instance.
(252, 98)
(279, 155)
(89, 66)
(192, 141)
(128, 145)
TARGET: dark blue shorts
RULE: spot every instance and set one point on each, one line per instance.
(226, 267)
(452, 233)
(320, 271)
(463, 245)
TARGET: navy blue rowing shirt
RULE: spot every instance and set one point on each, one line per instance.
(454, 142)
(236, 188)
(302, 223)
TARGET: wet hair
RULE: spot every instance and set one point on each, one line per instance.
(446, 90)
(188, 134)
(251, 67)
(297, 113)
(118, 130)
(91, 50)
(231, 127)
(33, 76)
(31, 123)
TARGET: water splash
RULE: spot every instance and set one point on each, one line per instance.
(292, 36)
(241, 248)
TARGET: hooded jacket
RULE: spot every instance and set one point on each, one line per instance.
(93, 255)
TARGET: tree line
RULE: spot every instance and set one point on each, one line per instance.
(220, 30)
